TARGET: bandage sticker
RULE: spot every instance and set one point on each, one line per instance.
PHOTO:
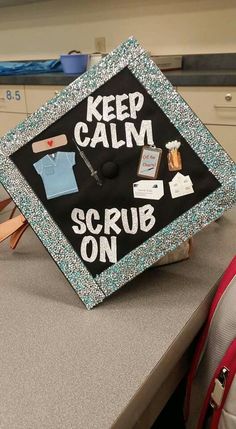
(50, 143)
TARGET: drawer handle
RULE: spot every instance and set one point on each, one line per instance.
(224, 107)
(228, 97)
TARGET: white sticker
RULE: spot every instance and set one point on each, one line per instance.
(148, 189)
(181, 185)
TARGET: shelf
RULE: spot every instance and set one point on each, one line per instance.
(7, 3)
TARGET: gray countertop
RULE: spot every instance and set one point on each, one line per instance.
(176, 77)
(197, 70)
(63, 366)
(202, 78)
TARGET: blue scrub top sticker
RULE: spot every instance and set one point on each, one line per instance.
(56, 171)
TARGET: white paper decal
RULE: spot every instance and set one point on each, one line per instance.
(181, 185)
(104, 247)
(148, 189)
(119, 107)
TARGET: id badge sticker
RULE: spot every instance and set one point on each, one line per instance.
(148, 189)
(149, 162)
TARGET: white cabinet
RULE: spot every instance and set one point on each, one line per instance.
(36, 96)
(18, 101)
(226, 136)
(12, 99)
(10, 120)
(216, 107)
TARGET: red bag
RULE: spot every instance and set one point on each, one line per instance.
(211, 389)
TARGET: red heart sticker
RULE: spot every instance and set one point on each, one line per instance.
(50, 143)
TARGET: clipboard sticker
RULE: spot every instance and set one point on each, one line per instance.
(149, 162)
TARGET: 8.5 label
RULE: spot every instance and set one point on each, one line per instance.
(13, 95)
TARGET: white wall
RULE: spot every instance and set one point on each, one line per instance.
(46, 29)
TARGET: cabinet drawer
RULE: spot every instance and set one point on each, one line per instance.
(10, 120)
(213, 105)
(226, 136)
(12, 98)
(37, 95)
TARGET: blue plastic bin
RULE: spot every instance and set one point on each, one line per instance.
(74, 63)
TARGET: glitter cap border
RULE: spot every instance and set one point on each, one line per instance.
(91, 290)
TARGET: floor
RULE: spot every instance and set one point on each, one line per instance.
(173, 411)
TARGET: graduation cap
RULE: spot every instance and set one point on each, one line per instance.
(115, 172)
